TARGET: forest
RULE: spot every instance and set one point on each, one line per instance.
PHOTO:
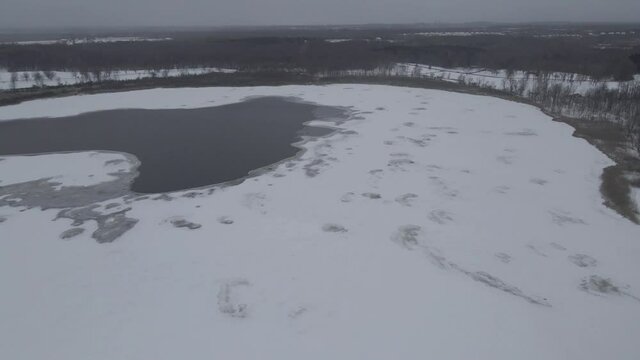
(605, 56)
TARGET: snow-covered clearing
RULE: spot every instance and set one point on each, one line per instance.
(457, 33)
(487, 78)
(499, 79)
(429, 225)
(337, 40)
(27, 79)
(76, 41)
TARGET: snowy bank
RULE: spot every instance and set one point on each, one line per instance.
(27, 79)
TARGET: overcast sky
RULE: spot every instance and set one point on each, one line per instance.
(45, 13)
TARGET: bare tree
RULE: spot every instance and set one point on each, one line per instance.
(38, 78)
(85, 75)
(523, 84)
(511, 83)
(632, 127)
(416, 72)
(97, 75)
(13, 80)
(50, 75)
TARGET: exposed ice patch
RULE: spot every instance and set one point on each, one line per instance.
(348, 197)
(73, 232)
(407, 236)
(583, 260)
(373, 196)
(334, 228)
(535, 250)
(563, 218)
(525, 132)
(229, 300)
(440, 216)
(505, 258)
(406, 199)
(180, 222)
(297, 312)
(422, 141)
(496, 283)
(110, 225)
(538, 181)
(557, 246)
(598, 285)
(507, 160)
(314, 167)
(225, 220)
(400, 164)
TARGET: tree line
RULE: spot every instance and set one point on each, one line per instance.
(580, 56)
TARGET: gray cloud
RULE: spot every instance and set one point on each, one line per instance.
(42, 13)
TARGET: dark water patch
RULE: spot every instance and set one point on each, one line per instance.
(179, 148)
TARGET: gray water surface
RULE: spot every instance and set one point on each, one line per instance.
(178, 148)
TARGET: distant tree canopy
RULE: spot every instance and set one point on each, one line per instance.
(255, 53)
(519, 53)
(514, 52)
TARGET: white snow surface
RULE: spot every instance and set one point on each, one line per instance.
(337, 40)
(69, 169)
(75, 41)
(384, 251)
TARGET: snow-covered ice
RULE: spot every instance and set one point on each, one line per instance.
(69, 169)
(429, 225)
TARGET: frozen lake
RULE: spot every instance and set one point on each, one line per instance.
(178, 148)
(431, 224)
